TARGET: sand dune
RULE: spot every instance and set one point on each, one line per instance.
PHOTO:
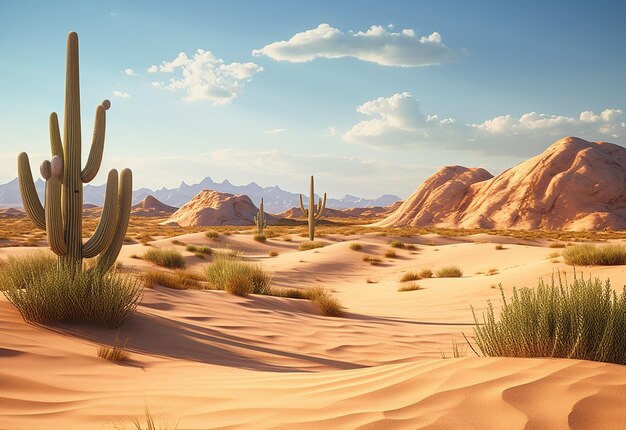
(572, 185)
(219, 361)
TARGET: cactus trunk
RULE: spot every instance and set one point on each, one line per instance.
(259, 219)
(314, 213)
(61, 216)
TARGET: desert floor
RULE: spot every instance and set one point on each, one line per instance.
(207, 359)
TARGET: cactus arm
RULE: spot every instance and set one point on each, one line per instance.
(97, 145)
(320, 208)
(125, 194)
(105, 230)
(32, 205)
(304, 211)
(54, 217)
(56, 145)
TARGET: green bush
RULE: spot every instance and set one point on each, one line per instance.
(235, 276)
(591, 255)
(45, 292)
(584, 320)
(449, 272)
(355, 246)
(170, 258)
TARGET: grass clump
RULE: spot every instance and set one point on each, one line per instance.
(178, 280)
(45, 292)
(390, 253)
(212, 234)
(457, 351)
(374, 261)
(397, 244)
(591, 255)
(499, 247)
(273, 253)
(583, 320)
(259, 237)
(410, 287)
(115, 352)
(449, 272)
(329, 305)
(356, 246)
(170, 258)
(425, 273)
(306, 246)
(557, 245)
(410, 276)
(237, 277)
(205, 250)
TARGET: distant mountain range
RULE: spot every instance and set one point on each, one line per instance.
(275, 199)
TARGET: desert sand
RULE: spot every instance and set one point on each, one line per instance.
(212, 360)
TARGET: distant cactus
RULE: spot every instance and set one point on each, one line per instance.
(62, 215)
(259, 219)
(314, 213)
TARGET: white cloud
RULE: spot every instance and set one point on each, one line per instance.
(275, 131)
(130, 72)
(398, 121)
(121, 94)
(205, 77)
(157, 84)
(376, 45)
(331, 132)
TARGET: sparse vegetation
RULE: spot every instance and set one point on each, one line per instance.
(259, 237)
(553, 255)
(410, 276)
(237, 277)
(212, 234)
(374, 261)
(397, 244)
(499, 247)
(390, 253)
(557, 245)
(413, 286)
(592, 255)
(273, 253)
(449, 272)
(45, 292)
(425, 273)
(491, 272)
(164, 257)
(205, 250)
(458, 351)
(355, 246)
(411, 247)
(306, 246)
(583, 320)
(328, 304)
(178, 280)
(115, 352)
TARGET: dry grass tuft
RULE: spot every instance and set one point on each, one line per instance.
(410, 276)
(591, 255)
(114, 352)
(170, 258)
(329, 305)
(355, 246)
(409, 287)
(449, 272)
(374, 261)
(306, 246)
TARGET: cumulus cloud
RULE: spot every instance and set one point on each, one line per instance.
(121, 94)
(398, 121)
(275, 131)
(376, 45)
(204, 77)
(130, 72)
(157, 84)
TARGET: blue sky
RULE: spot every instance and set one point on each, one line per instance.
(367, 114)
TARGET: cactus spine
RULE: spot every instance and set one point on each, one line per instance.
(259, 219)
(61, 215)
(314, 213)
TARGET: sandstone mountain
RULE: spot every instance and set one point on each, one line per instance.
(213, 208)
(150, 206)
(572, 185)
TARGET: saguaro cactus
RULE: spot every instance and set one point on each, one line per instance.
(259, 219)
(61, 215)
(313, 213)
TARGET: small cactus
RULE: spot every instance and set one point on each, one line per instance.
(61, 216)
(315, 212)
(259, 219)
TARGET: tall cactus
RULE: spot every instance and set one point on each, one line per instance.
(314, 212)
(259, 219)
(61, 215)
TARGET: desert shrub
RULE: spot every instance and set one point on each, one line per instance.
(390, 253)
(397, 244)
(292, 293)
(45, 292)
(499, 247)
(411, 247)
(199, 249)
(374, 261)
(178, 280)
(176, 242)
(449, 272)
(170, 258)
(305, 246)
(328, 304)
(583, 320)
(557, 245)
(115, 352)
(425, 273)
(211, 234)
(410, 276)
(259, 237)
(591, 255)
(235, 276)
(273, 253)
(355, 246)
(410, 287)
